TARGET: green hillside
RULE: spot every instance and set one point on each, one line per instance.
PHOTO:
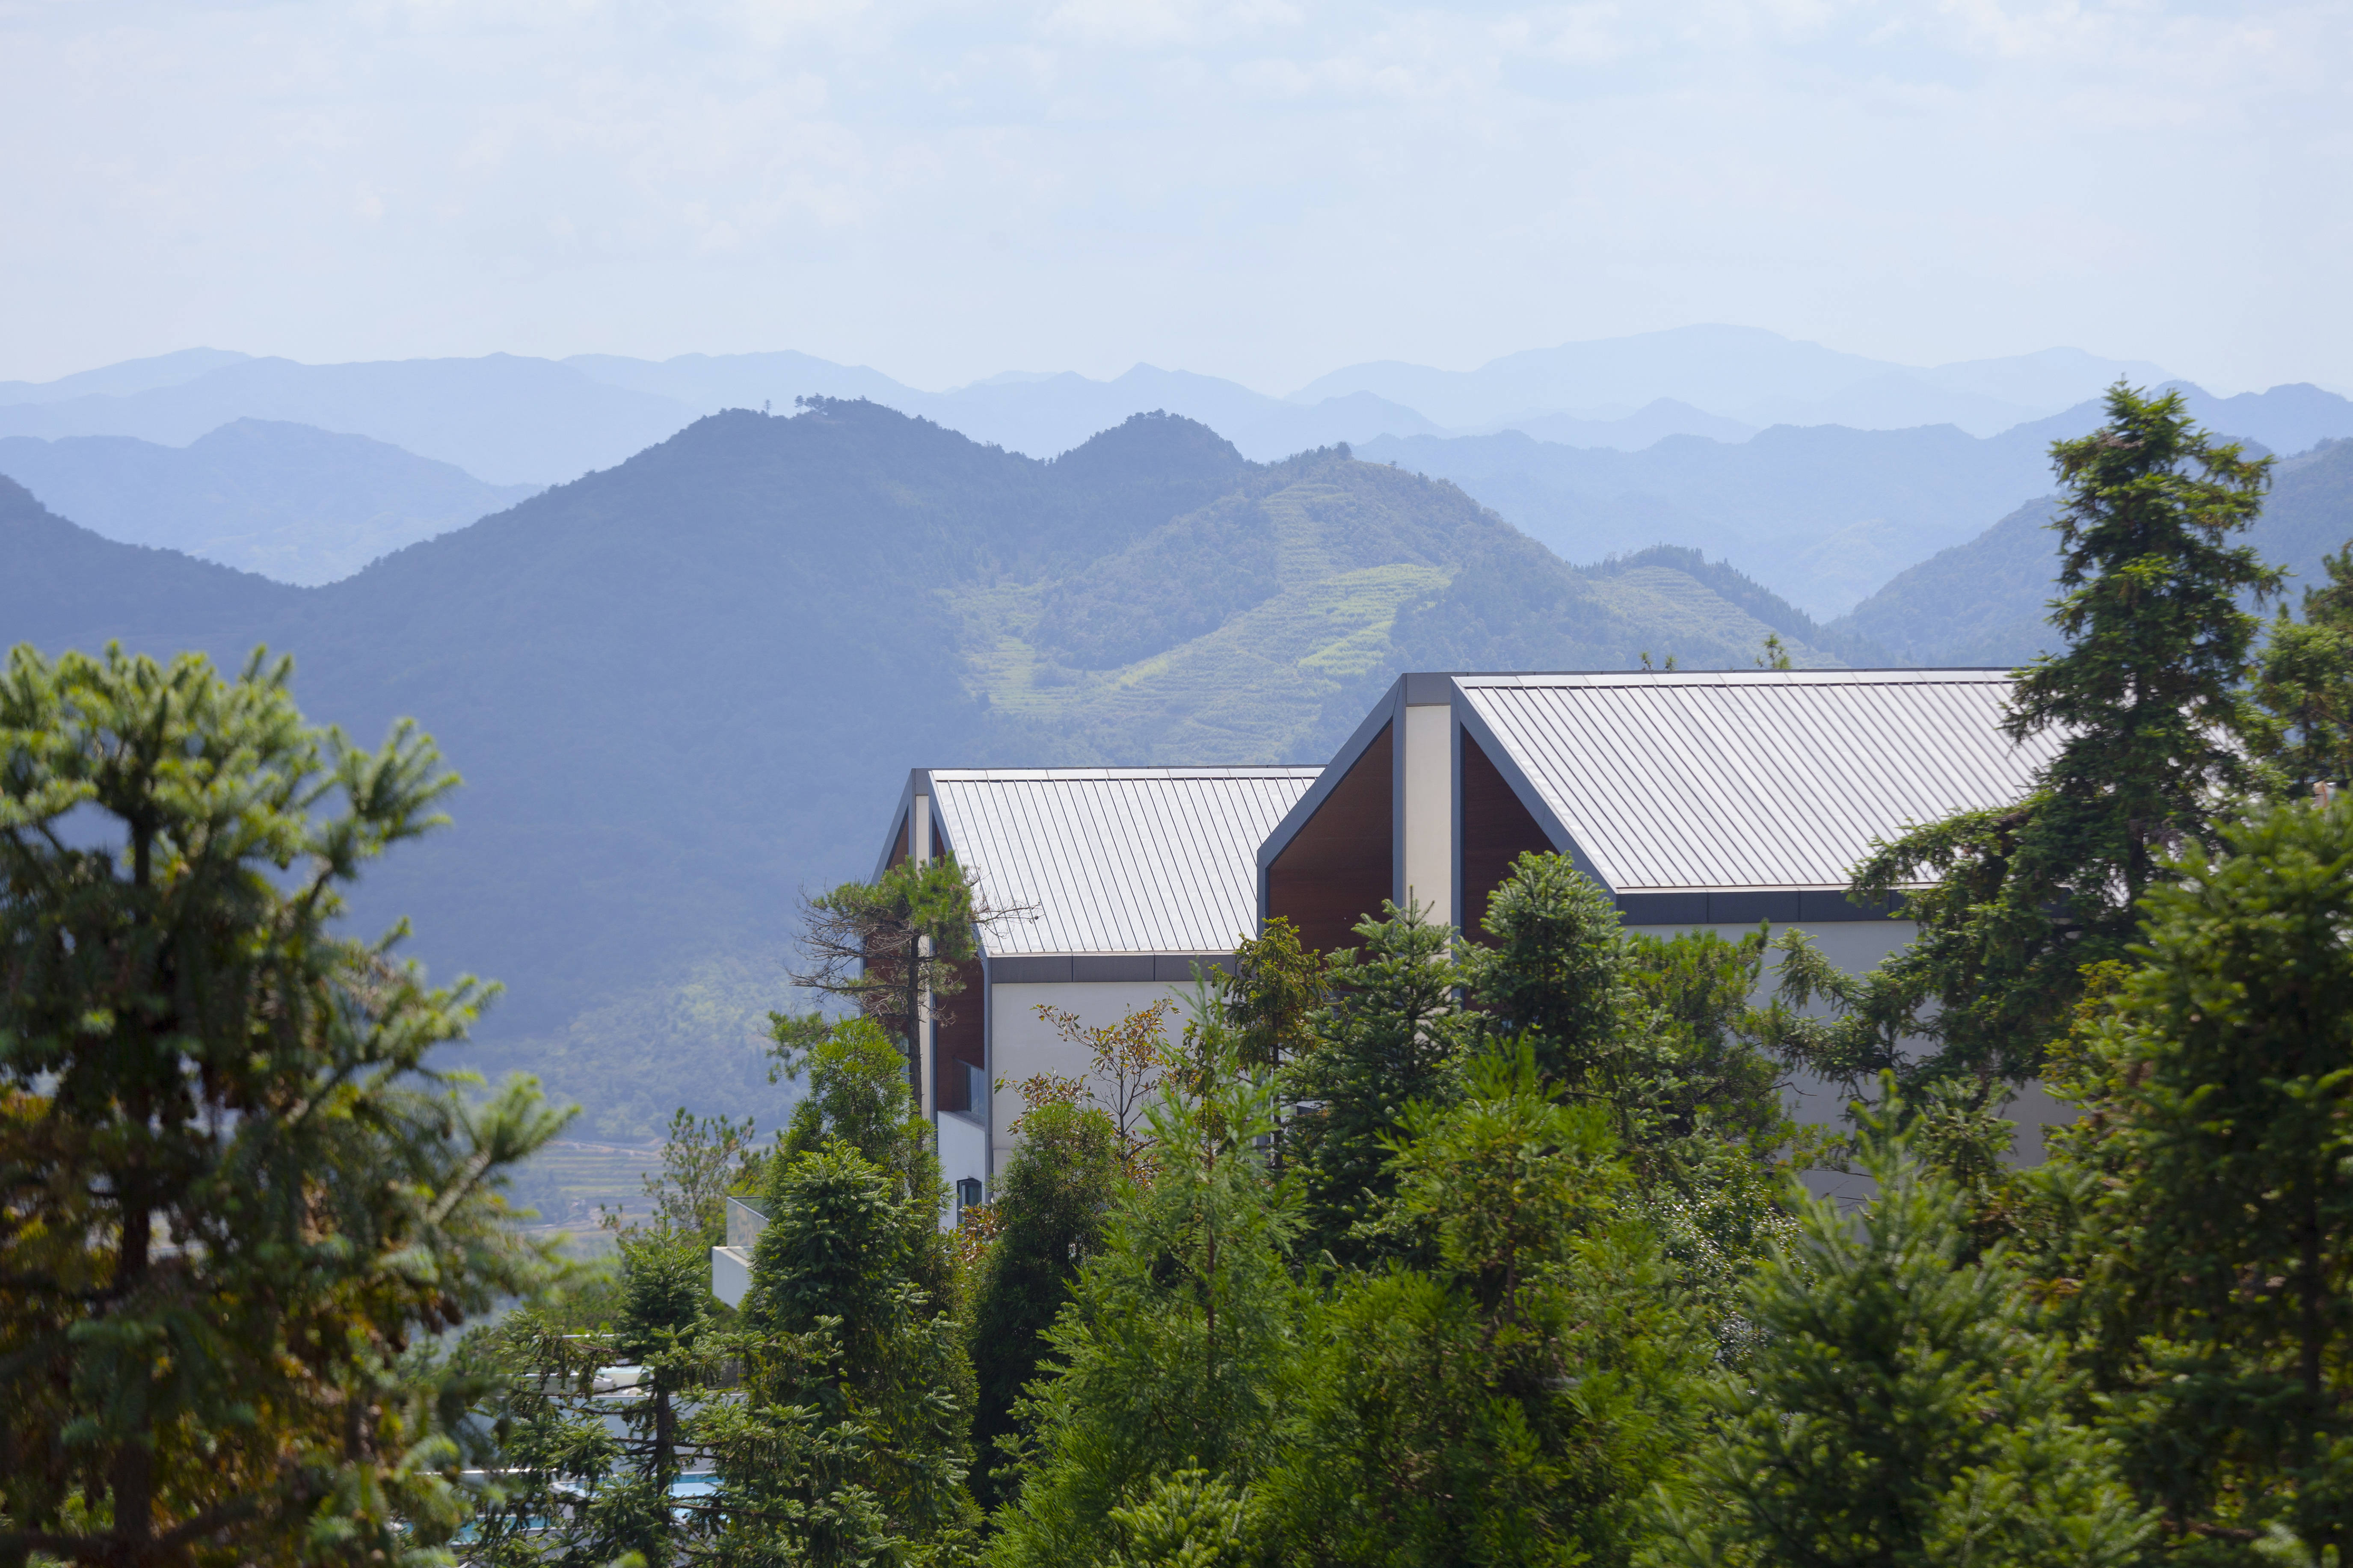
(1984, 601)
(682, 690)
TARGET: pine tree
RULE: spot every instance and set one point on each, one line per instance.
(1553, 972)
(886, 944)
(2148, 703)
(2220, 1288)
(237, 1194)
(1178, 1347)
(2304, 685)
(1054, 1195)
(850, 1442)
(854, 1090)
(1277, 988)
(1515, 1400)
(1663, 1034)
(1394, 1033)
(1902, 1409)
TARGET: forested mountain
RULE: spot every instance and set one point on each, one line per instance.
(684, 689)
(515, 420)
(1824, 514)
(288, 501)
(1983, 603)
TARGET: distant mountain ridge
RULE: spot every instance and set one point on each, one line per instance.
(684, 688)
(1746, 374)
(1984, 601)
(511, 419)
(1823, 515)
(288, 501)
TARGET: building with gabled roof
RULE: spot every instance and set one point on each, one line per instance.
(1700, 799)
(1117, 884)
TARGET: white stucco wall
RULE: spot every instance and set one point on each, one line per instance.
(1022, 1045)
(1855, 946)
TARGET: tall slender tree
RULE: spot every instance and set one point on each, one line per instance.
(2148, 706)
(2216, 1295)
(1054, 1196)
(1177, 1347)
(1394, 1033)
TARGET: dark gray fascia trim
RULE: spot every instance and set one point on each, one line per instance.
(1065, 968)
(918, 780)
(1785, 906)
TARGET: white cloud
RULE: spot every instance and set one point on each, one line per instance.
(1263, 188)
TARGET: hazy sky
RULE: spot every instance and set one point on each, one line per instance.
(1265, 190)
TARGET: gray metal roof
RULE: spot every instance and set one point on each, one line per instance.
(1753, 779)
(1160, 860)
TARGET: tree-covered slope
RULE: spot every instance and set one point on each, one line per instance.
(66, 587)
(686, 688)
(1984, 602)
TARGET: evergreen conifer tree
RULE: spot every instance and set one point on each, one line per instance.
(886, 944)
(1515, 1402)
(848, 1444)
(1054, 1195)
(2149, 701)
(1394, 1033)
(2305, 686)
(2219, 1300)
(1179, 1348)
(238, 1193)
(1902, 1409)
(1663, 1034)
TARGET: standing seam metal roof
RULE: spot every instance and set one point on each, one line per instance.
(1766, 780)
(1116, 859)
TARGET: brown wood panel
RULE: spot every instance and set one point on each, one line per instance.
(1339, 866)
(957, 1035)
(1496, 830)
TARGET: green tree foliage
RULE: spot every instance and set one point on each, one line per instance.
(1904, 1408)
(1660, 1029)
(1178, 1347)
(1190, 1519)
(1277, 989)
(703, 1159)
(1695, 991)
(1553, 972)
(884, 946)
(855, 1091)
(1662, 1033)
(1515, 1402)
(2304, 685)
(1054, 1195)
(847, 1441)
(2219, 1087)
(236, 1192)
(588, 1401)
(2147, 701)
(1394, 1033)
(846, 1349)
